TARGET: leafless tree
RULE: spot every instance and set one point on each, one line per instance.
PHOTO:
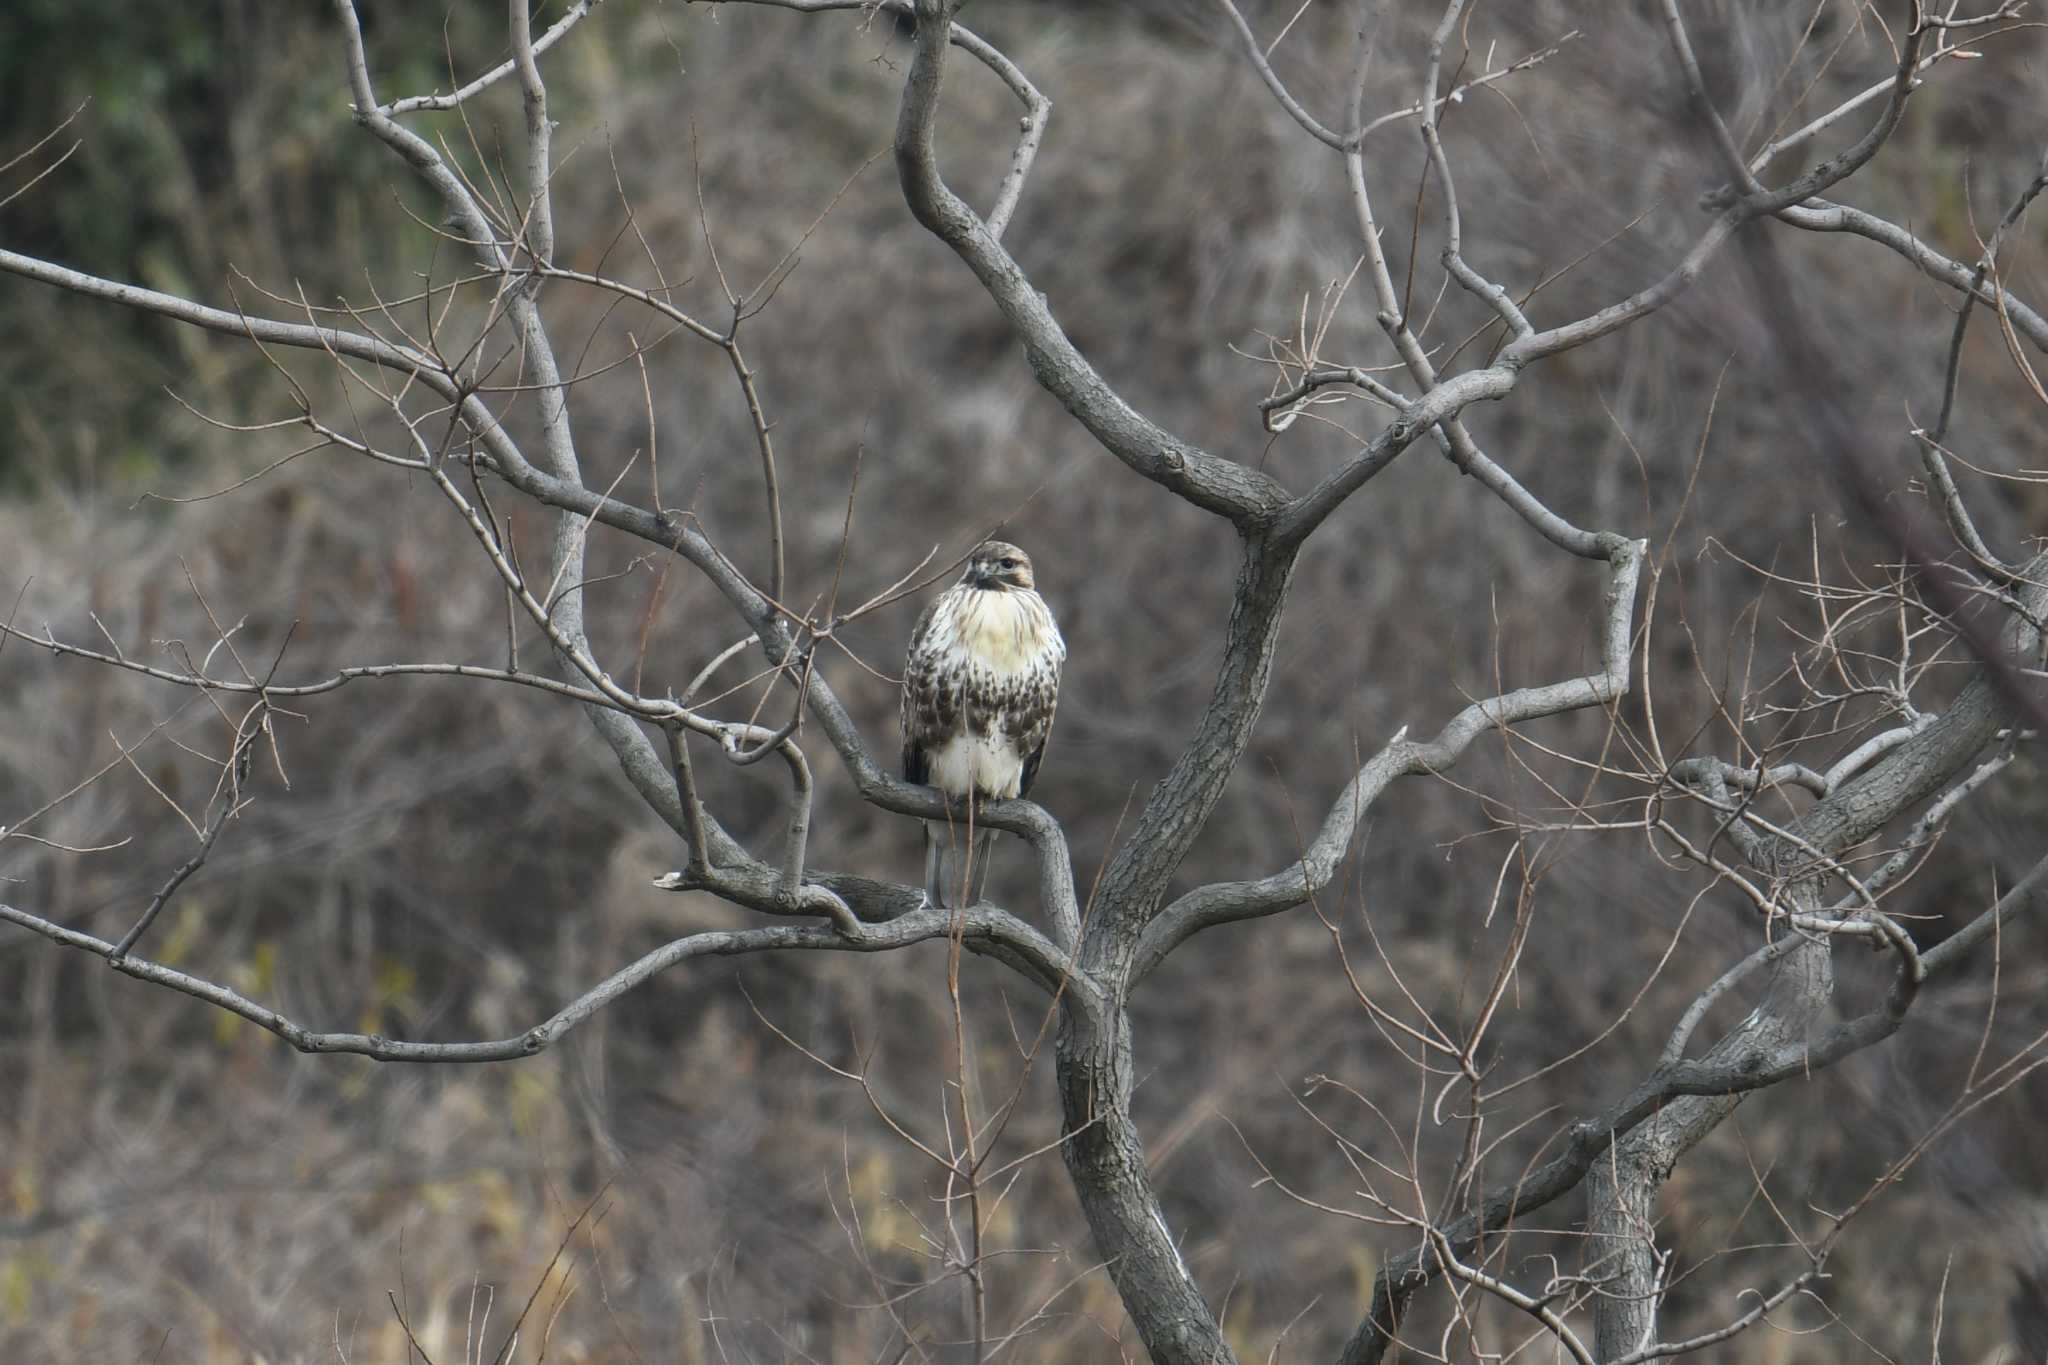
(1819, 781)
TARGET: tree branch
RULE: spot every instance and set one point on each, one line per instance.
(1231, 490)
(1736, 1066)
(1228, 902)
(982, 927)
(556, 32)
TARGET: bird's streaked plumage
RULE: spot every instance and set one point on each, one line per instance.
(979, 687)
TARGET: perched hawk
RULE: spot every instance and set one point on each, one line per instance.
(979, 686)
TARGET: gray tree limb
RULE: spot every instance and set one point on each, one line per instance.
(1228, 902)
(1622, 1191)
(983, 927)
(1681, 1101)
(1243, 495)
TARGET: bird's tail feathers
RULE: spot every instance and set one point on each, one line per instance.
(955, 866)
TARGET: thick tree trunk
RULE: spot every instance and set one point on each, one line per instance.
(1107, 1162)
(1621, 1218)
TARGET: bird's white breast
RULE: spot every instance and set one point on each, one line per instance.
(1004, 633)
(977, 762)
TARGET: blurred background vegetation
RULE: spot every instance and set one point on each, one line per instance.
(452, 862)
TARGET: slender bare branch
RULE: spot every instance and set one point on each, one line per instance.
(984, 926)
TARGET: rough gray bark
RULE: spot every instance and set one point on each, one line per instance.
(1621, 1213)
(1621, 1188)
(1105, 1155)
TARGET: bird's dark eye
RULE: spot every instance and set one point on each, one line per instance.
(1009, 563)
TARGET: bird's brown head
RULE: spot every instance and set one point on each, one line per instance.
(998, 566)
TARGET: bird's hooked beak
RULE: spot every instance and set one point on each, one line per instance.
(982, 575)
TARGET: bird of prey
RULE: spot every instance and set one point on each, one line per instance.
(979, 686)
